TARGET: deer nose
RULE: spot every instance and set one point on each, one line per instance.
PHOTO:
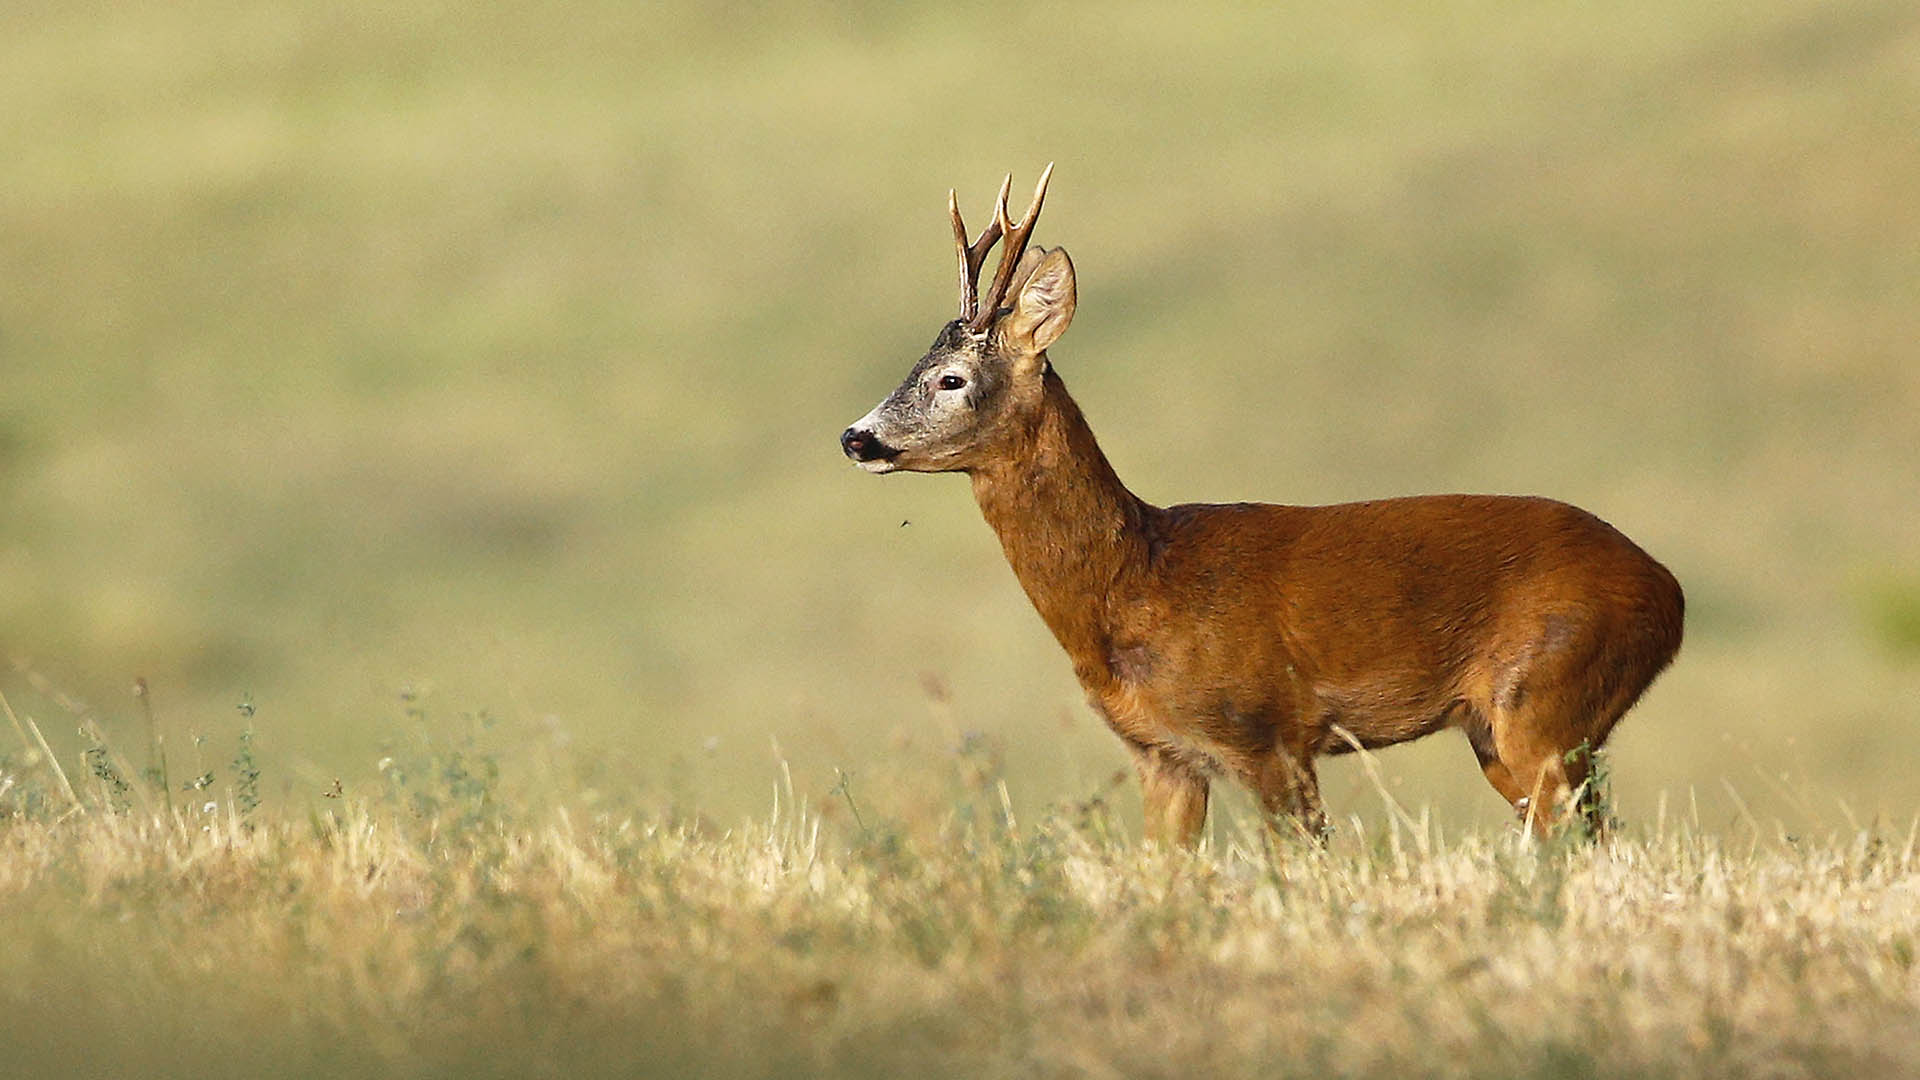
(862, 446)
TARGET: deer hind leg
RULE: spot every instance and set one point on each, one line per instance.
(1289, 791)
(1537, 750)
(1480, 737)
(1173, 796)
(1551, 775)
(1544, 710)
(1536, 779)
(1541, 796)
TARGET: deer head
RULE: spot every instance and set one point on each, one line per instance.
(983, 375)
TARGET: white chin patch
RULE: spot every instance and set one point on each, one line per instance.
(877, 465)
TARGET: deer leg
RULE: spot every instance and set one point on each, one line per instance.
(1544, 726)
(1480, 737)
(1173, 796)
(1536, 769)
(1289, 791)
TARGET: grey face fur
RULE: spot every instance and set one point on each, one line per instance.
(951, 403)
(966, 398)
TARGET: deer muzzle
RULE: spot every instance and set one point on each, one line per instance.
(866, 450)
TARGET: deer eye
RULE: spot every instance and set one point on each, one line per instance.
(951, 382)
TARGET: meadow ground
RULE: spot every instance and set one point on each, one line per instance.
(435, 931)
(389, 347)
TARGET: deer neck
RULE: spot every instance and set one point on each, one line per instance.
(1076, 538)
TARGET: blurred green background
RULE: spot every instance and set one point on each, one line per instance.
(496, 354)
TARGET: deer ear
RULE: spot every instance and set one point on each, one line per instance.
(1045, 297)
(1028, 263)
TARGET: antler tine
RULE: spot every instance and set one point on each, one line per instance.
(969, 273)
(1016, 246)
(972, 256)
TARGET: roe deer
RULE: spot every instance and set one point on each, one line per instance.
(1246, 639)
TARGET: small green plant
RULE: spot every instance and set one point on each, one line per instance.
(442, 782)
(155, 774)
(246, 771)
(110, 779)
(1594, 816)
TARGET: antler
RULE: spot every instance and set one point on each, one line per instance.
(972, 255)
(977, 315)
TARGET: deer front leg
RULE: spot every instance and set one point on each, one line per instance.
(1173, 795)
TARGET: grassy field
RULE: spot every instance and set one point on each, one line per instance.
(374, 372)
(442, 930)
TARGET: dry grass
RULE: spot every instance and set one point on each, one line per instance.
(364, 344)
(433, 931)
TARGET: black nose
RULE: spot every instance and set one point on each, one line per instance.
(861, 446)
